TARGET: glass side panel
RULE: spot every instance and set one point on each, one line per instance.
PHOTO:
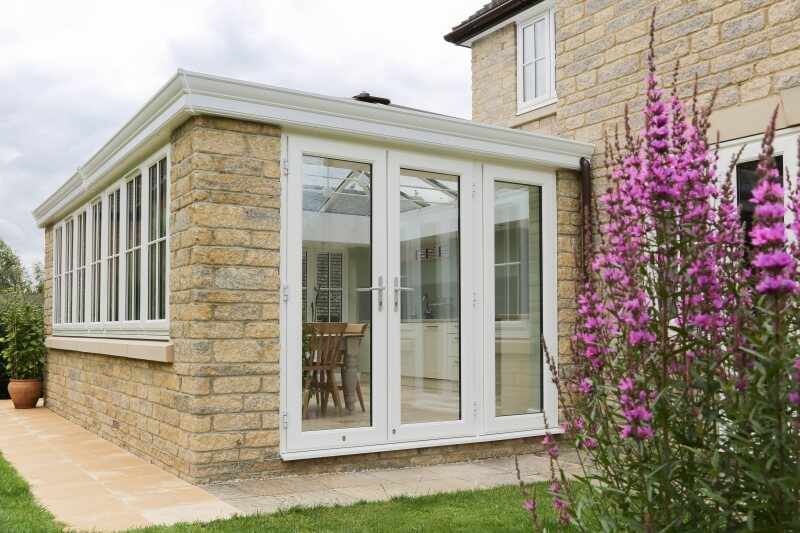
(57, 277)
(518, 299)
(133, 240)
(112, 267)
(80, 291)
(69, 239)
(97, 215)
(429, 306)
(337, 309)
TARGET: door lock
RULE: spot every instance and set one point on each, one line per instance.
(397, 290)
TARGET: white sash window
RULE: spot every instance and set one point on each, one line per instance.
(110, 259)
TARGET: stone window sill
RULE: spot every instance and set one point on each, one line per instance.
(535, 114)
(158, 351)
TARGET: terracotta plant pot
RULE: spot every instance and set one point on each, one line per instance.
(25, 392)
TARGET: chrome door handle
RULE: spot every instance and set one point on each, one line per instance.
(380, 288)
(397, 290)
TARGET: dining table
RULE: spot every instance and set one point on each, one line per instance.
(352, 337)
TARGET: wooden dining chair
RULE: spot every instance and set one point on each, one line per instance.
(325, 344)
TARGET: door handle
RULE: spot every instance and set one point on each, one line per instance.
(397, 290)
(380, 288)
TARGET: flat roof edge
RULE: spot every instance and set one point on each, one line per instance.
(190, 93)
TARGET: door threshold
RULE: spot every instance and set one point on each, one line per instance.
(393, 446)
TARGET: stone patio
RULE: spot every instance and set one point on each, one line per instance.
(90, 484)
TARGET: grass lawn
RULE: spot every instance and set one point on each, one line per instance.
(498, 509)
(19, 512)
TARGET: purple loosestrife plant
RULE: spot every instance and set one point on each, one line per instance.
(683, 404)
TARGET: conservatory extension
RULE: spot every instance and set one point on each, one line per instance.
(247, 279)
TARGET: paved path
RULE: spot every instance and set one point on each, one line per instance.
(269, 495)
(91, 484)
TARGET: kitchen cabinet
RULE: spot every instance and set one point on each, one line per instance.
(430, 349)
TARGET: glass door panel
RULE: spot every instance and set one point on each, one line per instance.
(429, 308)
(336, 321)
(336, 314)
(430, 368)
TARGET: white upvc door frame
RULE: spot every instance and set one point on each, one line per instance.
(297, 440)
(546, 179)
(469, 333)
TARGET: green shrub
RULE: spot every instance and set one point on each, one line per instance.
(22, 323)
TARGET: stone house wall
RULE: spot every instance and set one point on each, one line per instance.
(746, 48)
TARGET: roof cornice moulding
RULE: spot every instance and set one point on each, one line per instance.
(190, 93)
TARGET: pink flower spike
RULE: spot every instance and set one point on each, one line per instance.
(794, 397)
(626, 385)
(529, 505)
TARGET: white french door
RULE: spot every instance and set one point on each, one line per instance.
(385, 250)
(431, 239)
(336, 198)
(439, 274)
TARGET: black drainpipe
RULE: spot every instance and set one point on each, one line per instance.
(586, 205)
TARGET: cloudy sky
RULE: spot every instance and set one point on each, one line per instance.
(72, 73)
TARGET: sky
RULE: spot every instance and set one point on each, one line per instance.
(72, 73)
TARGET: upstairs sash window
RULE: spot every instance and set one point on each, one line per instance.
(535, 62)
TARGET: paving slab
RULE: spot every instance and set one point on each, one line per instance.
(92, 485)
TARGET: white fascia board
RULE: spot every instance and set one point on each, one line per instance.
(189, 93)
(516, 19)
(220, 96)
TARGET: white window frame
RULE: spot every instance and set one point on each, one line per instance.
(81, 219)
(546, 181)
(147, 242)
(312, 271)
(543, 11)
(142, 328)
(130, 248)
(785, 145)
(58, 274)
(95, 262)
